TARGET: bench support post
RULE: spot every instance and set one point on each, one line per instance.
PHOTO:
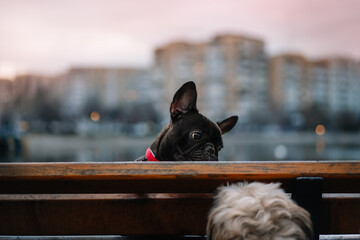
(308, 194)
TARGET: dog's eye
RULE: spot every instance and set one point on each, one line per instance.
(196, 135)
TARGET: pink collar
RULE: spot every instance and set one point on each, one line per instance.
(150, 156)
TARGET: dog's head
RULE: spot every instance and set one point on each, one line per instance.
(257, 211)
(189, 136)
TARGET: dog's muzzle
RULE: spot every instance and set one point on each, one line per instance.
(204, 153)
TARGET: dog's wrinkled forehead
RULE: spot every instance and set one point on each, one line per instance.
(197, 122)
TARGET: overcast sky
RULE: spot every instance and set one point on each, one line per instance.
(49, 36)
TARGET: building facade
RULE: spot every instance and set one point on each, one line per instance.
(230, 72)
(331, 85)
(289, 85)
(103, 88)
(344, 82)
(6, 94)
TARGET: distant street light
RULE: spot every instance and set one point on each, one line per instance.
(320, 130)
(95, 116)
(24, 126)
(280, 151)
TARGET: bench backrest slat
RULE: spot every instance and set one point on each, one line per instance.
(180, 177)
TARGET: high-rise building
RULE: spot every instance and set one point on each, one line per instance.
(335, 84)
(105, 88)
(344, 85)
(6, 94)
(289, 86)
(318, 76)
(175, 64)
(27, 86)
(242, 70)
(330, 84)
(230, 72)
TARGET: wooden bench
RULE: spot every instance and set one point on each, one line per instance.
(166, 198)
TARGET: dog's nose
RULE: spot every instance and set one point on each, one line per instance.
(209, 148)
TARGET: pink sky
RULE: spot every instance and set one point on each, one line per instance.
(49, 36)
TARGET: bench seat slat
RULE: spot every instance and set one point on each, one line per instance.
(142, 215)
(30, 186)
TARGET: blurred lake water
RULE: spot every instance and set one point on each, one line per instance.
(238, 147)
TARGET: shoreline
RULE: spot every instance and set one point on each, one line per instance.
(240, 147)
(240, 138)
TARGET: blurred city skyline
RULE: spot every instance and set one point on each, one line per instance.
(234, 75)
(49, 37)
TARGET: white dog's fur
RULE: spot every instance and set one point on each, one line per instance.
(257, 211)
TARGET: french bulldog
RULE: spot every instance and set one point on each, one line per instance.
(189, 136)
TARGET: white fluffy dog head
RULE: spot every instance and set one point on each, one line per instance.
(257, 211)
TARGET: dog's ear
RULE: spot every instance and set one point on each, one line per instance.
(227, 124)
(184, 100)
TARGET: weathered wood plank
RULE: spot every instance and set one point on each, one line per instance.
(29, 186)
(179, 177)
(120, 198)
(169, 170)
(93, 217)
(346, 185)
(157, 214)
(340, 215)
(119, 237)
(161, 237)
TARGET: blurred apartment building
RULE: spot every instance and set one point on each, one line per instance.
(230, 72)
(6, 94)
(32, 91)
(297, 83)
(343, 85)
(288, 83)
(234, 76)
(102, 88)
(18, 99)
(75, 92)
(27, 86)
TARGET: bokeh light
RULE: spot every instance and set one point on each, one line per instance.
(320, 130)
(24, 126)
(280, 151)
(95, 116)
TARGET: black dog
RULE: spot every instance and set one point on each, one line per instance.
(190, 136)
